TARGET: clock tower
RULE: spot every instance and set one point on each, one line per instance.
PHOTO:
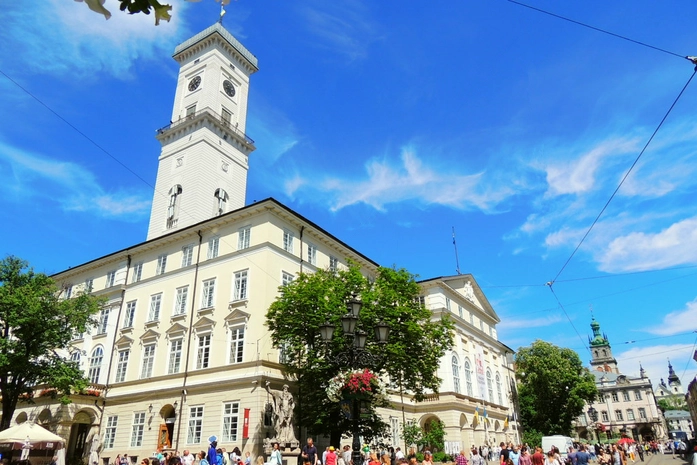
(203, 164)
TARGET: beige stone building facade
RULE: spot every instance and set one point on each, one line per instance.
(181, 352)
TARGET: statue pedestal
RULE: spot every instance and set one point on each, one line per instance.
(287, 450)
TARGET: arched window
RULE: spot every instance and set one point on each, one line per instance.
(489, 385)
(95, 365)
(456, 374)
(498, 388)
(468, 378)
(221, 198)
(173, 208)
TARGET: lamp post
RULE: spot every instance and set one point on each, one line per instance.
(355, 356)
(593, 415)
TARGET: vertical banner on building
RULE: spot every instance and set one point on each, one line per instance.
(481, 379)
(245, 425)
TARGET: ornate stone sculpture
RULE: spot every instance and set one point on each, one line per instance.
(283, 407)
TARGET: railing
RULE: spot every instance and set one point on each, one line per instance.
(225, 121)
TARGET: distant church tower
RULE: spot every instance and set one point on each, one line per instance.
(601, 351)
(674, 386)
(203, 165)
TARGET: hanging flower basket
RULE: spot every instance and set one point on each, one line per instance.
(355, 384)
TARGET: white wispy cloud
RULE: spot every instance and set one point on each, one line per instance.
(678, 321)
(654, 359)
(410, 179)
(59, 37)
(344, 27)
(73, 187)
(274, 133)
(523, 323)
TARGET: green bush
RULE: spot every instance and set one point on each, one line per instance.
(442, 457)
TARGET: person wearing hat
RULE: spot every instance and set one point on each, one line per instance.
(331, 457)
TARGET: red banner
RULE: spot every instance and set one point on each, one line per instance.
(245, 425)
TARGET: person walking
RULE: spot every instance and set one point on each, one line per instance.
(461, 459)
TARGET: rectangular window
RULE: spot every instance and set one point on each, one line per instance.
(422, 300)
(103, 321)
(130, 314)
(110, 279)
(630, 414)
(604, 416)
(312, 254)
(231, 412)
(213, 244)
(637, 395)
(459, 311)
(193, 435)
(582, 420)
(187, 255)
(155, 304)
(138, 427)
(203, 353)
(615, 397)
(618, 415)
(191, 111)
(180, 302)
(137, 272)
(288, 241)
(89, 284)
(244, 236)
(225, 116)
(208, 293)
(334, 266)
(148, 361)
(394, 430)
(625, 396)
(122, 365)
(161, 264)
(240, 285)
(447, 303)
(175, 356)
(236, 345)
(642, 412)
(68, 292)
(110, 432)
(286, 278)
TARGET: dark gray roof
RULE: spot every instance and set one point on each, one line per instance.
(217, 27)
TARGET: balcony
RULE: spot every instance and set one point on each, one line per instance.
(204, 113)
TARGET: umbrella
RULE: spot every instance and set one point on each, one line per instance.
(29, 435)
(626, 441)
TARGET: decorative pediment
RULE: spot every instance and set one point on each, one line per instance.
(123, 342)
(177, 329)
(204, 324)
(150, 335)
(237, 303)
(237, 317)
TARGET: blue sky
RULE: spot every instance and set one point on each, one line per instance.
(389, 123)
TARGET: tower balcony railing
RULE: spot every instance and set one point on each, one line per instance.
(223, 119)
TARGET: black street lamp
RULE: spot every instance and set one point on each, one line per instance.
(355, 356)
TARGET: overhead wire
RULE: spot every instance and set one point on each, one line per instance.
(568, 317)
(692, 351)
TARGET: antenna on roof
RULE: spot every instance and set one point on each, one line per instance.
(457, 260)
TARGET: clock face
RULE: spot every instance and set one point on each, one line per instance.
(229, 88)
(194, 83)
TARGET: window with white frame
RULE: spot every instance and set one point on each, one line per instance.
(122, 365)
(334, 265)
(499, 391)
(137, 272)
(604, 416)
(148, 361)
(615, 397)
(174, 202)
(175, 356)
(203, 353)
(103, 323)
(155, 305)
(625, 396)
(642, 412)
(89, 284)
(489, 385)
(75, 356)
(468, 378)
(456, 374)
(221, 196)
(213, 245)
(244, 236)
(110, 279)
(618, 415)
(288, 241)
(472, 318)
(231, 420)
(460, 310)
(286, 278)
(180, 301)
(193, 435)
(137, 429)
(161, 264)
(240, 291)
(130, 314)
(630, 414)
(110, 432)
(311, 254)
(187, 255)
(208, 296)
(237, 344)
(447, 303)
(637, 395)
(394, 430)
(95, 365)
(68, 291)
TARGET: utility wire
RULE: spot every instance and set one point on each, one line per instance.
(624, 178)
(600, 30)
(568, 318)
(687, 365)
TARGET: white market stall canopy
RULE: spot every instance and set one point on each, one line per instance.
(29, 432)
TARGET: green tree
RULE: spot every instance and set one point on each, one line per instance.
(553, 387)
(434, 436)
(35, 326)
(672, 402)
(410, 357)
(162, 11)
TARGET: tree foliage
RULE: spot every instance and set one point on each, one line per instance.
(35, 326)
(672, 402)
(409, 359)
(553, 387)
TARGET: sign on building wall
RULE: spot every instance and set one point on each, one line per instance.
(481, 379)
